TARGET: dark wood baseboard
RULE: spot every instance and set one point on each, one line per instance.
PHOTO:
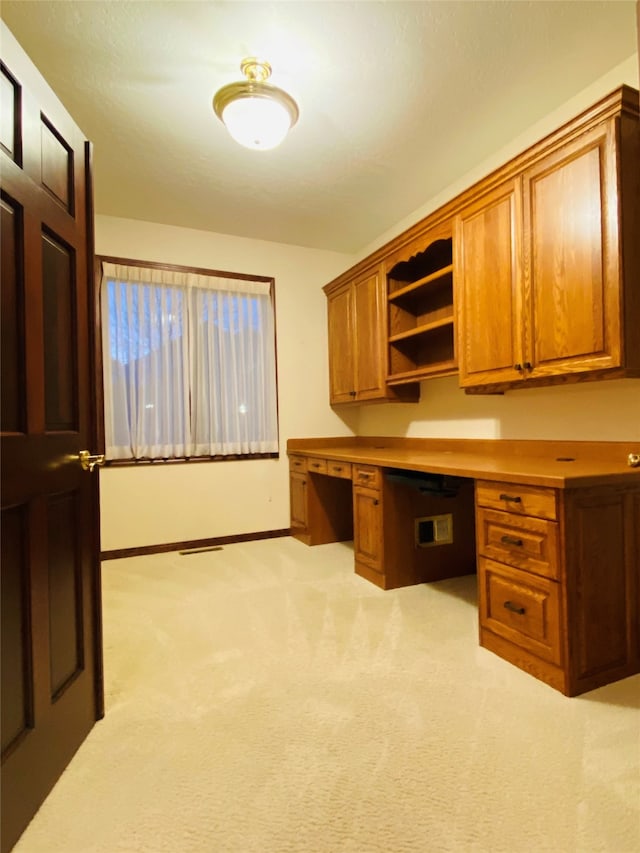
(119, 553)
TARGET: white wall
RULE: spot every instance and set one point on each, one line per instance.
(598, 411)
(625, 73)
(149, 505)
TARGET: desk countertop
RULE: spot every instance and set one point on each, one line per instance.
(560, 465)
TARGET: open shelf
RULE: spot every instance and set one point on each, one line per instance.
(435, 278)
(421, 330)
(441, 368)
(420, 313)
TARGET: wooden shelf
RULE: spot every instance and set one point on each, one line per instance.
(433, 278)
(442, 368)
(420, 322)
(421, 330)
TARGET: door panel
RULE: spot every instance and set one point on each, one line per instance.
(57, 165)
(17, 710)
(9, 115)
(51, 639)
(13, 332)
(60, 340)
(66, 652)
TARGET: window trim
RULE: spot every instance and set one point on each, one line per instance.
(99, 366)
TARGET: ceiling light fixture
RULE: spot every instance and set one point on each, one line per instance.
(256, 114)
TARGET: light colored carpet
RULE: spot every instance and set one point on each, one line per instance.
(264, 699)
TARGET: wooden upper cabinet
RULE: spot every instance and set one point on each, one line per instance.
(489, 288)
(547, 265)
(572, 256)
(369, 361)
(357, 362)
(341, 349)
(530, 277)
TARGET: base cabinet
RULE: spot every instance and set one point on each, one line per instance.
(368, 541)
(558, 568)
(522, 608)
(320, 500)
(567, 613)
(603, 585)
(298, 498)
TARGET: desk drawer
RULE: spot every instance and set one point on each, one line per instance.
(526, 543)
(521, 500)
(316, 466)
(339, 469)
(367, 475)
(520, 608)
(298, 463)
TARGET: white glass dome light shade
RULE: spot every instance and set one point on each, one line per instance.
(256, 114)
(257, 122)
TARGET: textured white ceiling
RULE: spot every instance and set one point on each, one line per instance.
(397, 99)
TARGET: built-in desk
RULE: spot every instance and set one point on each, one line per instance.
(552, 528)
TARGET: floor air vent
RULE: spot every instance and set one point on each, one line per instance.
(200, 550)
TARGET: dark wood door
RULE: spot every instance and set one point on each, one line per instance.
(51, 640)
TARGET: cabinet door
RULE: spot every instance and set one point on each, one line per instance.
(489, 292)
(298, 497)
(571, 256)
(370, 365)
(341, 345)
(367, 527)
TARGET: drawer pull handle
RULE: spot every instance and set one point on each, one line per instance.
(509, 605)
(516, 499)
(315, 464)
(337, 468)
(364, 475)
(511, 540)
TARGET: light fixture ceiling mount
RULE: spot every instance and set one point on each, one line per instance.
(257, 114)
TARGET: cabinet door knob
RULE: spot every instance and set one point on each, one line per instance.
(376, 502)
(528, 365)
(517, 366)
(352, 393)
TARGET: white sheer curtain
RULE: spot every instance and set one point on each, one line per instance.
(189, 364)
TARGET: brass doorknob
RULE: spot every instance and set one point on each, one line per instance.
(88, 461)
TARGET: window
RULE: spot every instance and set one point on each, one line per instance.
(189, 363)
